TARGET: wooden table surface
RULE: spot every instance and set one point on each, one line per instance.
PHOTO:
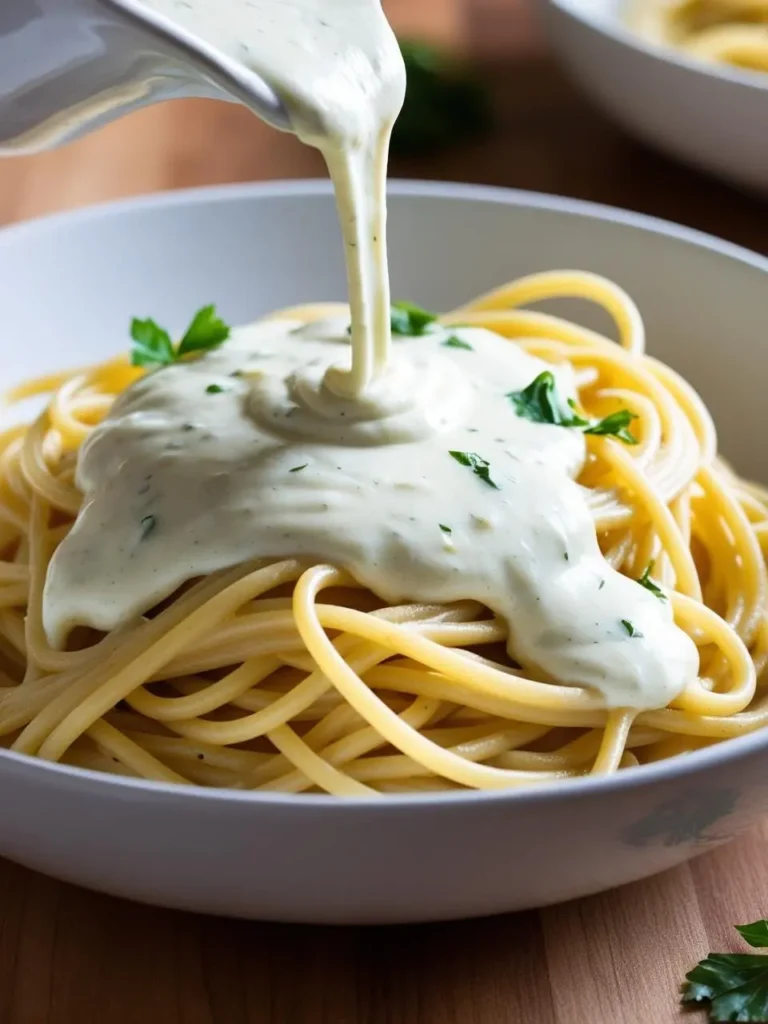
(72, 957)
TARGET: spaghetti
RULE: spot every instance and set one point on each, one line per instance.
(722, 31)
(290, 676)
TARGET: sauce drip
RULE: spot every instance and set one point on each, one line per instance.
(336, 66)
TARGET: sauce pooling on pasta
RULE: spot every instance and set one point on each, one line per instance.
(245, 453)
(410, 468)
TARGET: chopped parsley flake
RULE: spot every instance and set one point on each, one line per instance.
(454, 342)
(444, 528)
(214, 389)
(541, 403)
(297, 469)
(478, 466)
(646, 581)
(616, 426)
(409, 320)
(630, 629)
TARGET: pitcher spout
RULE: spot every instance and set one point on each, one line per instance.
(70, 66)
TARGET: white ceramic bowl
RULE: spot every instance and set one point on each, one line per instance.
(70, 284)
(713, 117)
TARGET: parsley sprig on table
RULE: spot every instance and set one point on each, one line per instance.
(734, 984)
(152, 345)
(541, 402)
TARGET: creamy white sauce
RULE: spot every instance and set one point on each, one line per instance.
(296, 440)
(215, 475)
(336, 66)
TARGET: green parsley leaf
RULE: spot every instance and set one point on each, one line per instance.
(631, 631)
(615, 425)
(206, 331)
(445, 529)
(646, 581)
(409, 320)
(214, 389)
(756, 934)
(734, 984)
(478, 466)
(454, 342)
(152, 346)
(540, 403)
(297, 468)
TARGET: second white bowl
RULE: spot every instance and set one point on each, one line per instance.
(713, 117)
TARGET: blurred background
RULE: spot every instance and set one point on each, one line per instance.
(507, 115)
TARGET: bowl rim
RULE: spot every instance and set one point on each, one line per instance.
(718, 754)
(611, 26)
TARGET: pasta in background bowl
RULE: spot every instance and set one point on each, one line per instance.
(688, 78)
(724, 31)
(411, 856)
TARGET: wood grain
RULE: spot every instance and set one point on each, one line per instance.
(73, 957)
